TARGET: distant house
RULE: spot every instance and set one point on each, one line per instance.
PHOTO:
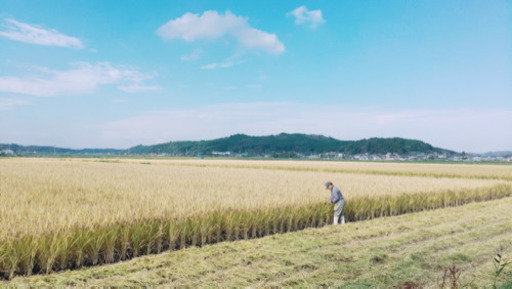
(6, 152)
(222, 154)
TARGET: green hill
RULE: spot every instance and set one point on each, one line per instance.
(289, 143)
(281, 145)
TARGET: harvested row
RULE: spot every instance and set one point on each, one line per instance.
(63, 215)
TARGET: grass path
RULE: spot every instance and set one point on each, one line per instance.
(415, 248)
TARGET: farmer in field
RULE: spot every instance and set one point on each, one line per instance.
(338, 201)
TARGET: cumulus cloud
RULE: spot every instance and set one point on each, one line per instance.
(212, 25)
(10, 103)
(85, 78)
(302, 15)
(475, 130)
(35, 35)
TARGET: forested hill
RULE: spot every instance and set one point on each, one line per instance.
(297, 143)
(251, 146)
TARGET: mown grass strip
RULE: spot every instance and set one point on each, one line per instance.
(88, 247)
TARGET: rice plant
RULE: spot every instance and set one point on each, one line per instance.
(57, 215)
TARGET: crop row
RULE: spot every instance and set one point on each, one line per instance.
(74, 248)
(50, 196)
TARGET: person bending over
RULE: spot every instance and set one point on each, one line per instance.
(338, 201)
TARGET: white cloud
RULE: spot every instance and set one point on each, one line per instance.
(85, 78)
(10, 103)
(134, 88)
(228, 62)
(210, 66)
(195, 55)
(32, 34)
(212, 25)
(307, 17)
(225, 64)
(473, 130)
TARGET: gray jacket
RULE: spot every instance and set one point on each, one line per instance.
(336, 195)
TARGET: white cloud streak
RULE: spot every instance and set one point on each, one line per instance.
(85, 78)
(11, 103)
(35, 35)
(225, 64)
(302, 15)
(134, 88)
(212, 25)
(195, 55)
(459, 129)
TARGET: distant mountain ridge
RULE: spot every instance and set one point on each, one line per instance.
(19, 149)
(254, 146)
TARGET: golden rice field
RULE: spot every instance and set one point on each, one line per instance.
(462, 170)
(407, 251)
(64, 214)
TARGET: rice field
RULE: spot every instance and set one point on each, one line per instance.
(450, 170)
(414, 249)
(64, 214)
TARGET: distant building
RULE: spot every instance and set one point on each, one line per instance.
(6, 152)
(222, 154)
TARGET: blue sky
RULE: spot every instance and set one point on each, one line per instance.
(121, 73)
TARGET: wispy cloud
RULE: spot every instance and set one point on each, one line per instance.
(231, 61)
(10, 103)
(458, 129)
(195, 55)
(302, 15)
(36, 35)
(212, 25)
(225, 64)
(85, 78)
(134, 88)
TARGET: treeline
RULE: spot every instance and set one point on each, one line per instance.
(49, 150)
(288, 144)
(281, 145)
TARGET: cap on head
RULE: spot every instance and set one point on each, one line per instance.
(327, 184)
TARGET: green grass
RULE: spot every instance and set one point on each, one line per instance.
(416, 248)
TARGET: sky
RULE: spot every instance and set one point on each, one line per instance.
(115, 74)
